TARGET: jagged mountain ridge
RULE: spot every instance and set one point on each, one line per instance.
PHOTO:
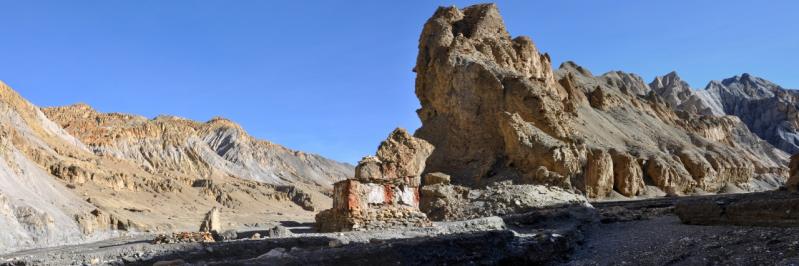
(139, 175)
(219, 147)
(494, 109)
(769, 110)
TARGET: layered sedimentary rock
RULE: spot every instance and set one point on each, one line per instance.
(108, 174)
(767, 109)
(495, 110)
(35, 209)
(385, 190)
(168, 145)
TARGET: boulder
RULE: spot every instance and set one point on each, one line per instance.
(598, 174)
(369, 168)
(211, 222)
(401, 155)
(279, 231)
(628, 178)
(436, 178)
(669, 175)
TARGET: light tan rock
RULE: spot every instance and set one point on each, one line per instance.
(599, 174)
(469, 74)
(435, 178)
(628, 178)
(669, 175)
(401, 155)
(530, 148)
(701, 171)
(211, 222)
(495, 110)
(369, 168)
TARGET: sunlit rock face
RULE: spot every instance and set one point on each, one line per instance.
(495, 110)
(385, 190)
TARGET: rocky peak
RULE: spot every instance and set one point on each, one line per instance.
(571, 66)
(481, 21)
(628, 82)
(749, 86)
(497, 76)
(490, 108)
(671, 88)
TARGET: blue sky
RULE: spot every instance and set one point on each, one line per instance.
(334, 77)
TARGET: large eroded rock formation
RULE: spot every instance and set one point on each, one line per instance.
(495, 110)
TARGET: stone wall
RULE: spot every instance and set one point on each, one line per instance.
(385, 190)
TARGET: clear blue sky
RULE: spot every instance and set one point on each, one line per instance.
(334, 77)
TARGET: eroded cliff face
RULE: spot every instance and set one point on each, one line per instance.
(495, 110)
(767, 109)
(175, 146)
(139, 175)
(490, 99)
(35, 209)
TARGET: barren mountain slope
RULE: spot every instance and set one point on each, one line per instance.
(169, 145)
(56, 190)
(769, 110)
(35, 209)
(494, 110)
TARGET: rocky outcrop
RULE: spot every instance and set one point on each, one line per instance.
(670, 175)
(489, 98)
(767, 109)
(211, 222)
(599, 175)
(793, 175)
(385, 190)
(37, 210)
(495, 110)
(447, 202)
(628, 178)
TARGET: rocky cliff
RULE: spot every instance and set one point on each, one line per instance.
(171, 146)
(110, 174)
(767, 109)
(495, 110)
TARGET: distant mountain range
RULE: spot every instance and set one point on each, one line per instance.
(769, 110)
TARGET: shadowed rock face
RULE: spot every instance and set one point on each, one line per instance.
(495, 110)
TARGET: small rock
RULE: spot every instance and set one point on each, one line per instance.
(335, 243)
(229, 235)
(436, 178)
(279, 231)
(274, 253)
(256, 236)
(177, 262)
